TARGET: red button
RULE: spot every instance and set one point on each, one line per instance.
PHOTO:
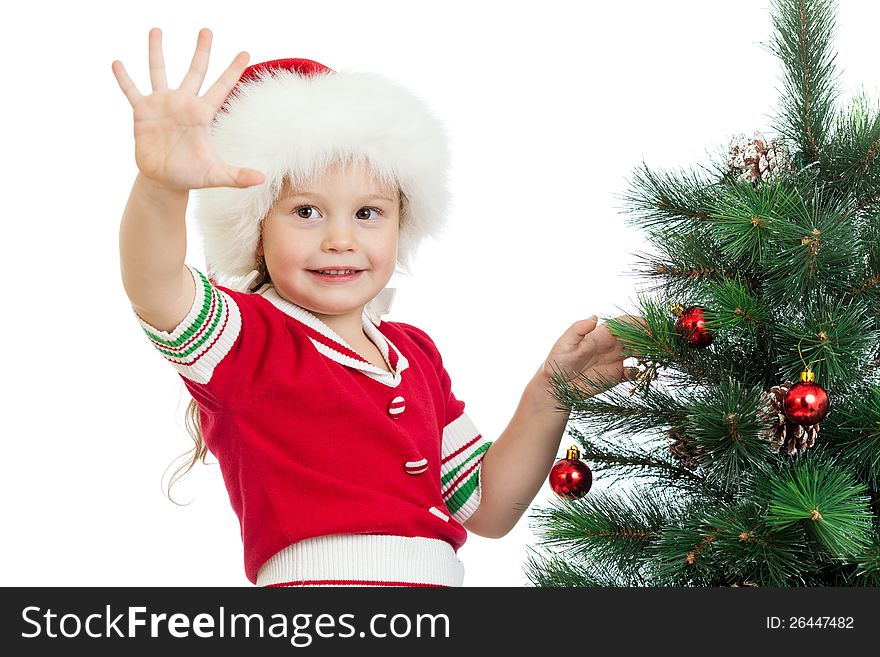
(416, 467)
(396, 407)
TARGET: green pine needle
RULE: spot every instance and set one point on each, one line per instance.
(814, 250)
(553, 570)
(752, 551)
(743, 215)
(602, 528)
(827, 501)
(667, 199)
(829, 337)
(855, 439)
(851, 160)
(802, 41)
(723, 421)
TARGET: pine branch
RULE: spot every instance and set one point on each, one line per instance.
(743, 215)
(866, 569)
(658, 345)
(864, 572)
(851, 160)
(853, 433)
(688, 262)
(824, 499)
(553, 570)
(814, 251)
(868, 201)
(869, 284)
(682, 554)
(612, 410)
(601, 528)
(667, 199)
(618, 457)
(737, 309)
(829, 336)
(802, 41)
(751, 552)
(723, 422)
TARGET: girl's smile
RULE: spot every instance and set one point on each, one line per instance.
(335, 277)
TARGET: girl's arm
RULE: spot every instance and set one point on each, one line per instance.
(152, 250)
(518, 462)
(174, 152)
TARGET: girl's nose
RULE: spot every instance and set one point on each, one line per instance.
(339, 235)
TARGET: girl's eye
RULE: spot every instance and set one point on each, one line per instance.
(305, 208)
(311, 212)
(368, 210)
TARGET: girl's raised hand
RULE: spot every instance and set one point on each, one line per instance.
(172, 128)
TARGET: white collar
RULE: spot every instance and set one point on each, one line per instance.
(330, 344)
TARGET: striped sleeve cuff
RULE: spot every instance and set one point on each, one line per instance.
(201, 340)
(460, 467)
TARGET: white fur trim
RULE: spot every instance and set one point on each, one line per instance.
(285, 124)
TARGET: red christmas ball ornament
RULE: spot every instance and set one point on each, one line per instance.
(806, 402)
(691, 327)
(571, 477)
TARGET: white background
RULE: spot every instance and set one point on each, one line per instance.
(550, 107)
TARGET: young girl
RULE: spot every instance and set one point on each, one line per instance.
(347, 457)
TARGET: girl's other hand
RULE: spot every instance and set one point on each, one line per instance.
(592, 351)
(172, 128)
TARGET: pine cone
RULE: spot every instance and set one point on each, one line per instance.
(683, 448)
(755, 160)
(782, 432)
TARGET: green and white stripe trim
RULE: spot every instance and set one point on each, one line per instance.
(460, 467)
(199, 343)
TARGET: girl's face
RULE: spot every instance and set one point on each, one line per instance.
(344, 220)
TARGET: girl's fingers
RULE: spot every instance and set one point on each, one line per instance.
(194, 78)
(230, 176)
(128, 87)
(576, 333)
(157, 61)
(584, 327)
(224, 84)
(245, 177)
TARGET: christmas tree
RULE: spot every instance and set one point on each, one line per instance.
(750, 441)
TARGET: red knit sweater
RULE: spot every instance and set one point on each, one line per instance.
(339, 472)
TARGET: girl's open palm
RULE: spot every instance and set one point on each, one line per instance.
(172, 128)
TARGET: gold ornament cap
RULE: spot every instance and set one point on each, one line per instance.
(808, 376)
(572, 453)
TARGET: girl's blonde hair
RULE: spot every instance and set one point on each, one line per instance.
(193, 424)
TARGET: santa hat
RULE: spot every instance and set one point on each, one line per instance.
(295, 118)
